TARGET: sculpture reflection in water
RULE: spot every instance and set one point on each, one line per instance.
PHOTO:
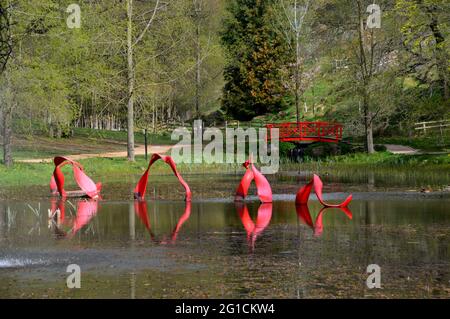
(254, 229)
(58, 221)
(305, 217)
(141, 210)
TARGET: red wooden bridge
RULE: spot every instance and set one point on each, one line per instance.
(307, 131)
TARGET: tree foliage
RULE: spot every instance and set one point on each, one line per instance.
(256, 56)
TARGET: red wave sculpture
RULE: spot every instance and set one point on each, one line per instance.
(140, 208)
(86, 210)
(305, 216)
(264, 190)
(262, 220)
(141, 187)
(88, 187)
(303, 194)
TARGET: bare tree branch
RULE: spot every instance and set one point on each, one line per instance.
(149, 23)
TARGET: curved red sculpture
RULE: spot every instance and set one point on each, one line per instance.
(141, 187)
(318, 227)
(305, 216)
(140, 208)
(88, 187)
(262, 185)
(303, 194)
(262, 220)
(86, 210)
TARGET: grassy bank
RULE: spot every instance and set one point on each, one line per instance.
(84, 141)
(385, 159)
(106, 169)
(429, 143)
(116, 169)
(121, 136)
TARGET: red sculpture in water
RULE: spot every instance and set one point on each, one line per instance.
(88, 187)
(141, 187)
(317, 226)
(140, 208)
(303, 194)
(262, 221)
(86, 210)
(262, 185)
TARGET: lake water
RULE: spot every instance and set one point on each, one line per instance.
(214, 248)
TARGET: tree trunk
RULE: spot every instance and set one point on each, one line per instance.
(130, 113)
(297, 63)
(58, 131)
(297, 99)
(441, 53)
(368, 126)
(7, 123)
(197, 74)
(369, 138)
(7, 136)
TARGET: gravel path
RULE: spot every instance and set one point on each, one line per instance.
(139, 150)
(400, 149)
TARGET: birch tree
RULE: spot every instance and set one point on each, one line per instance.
(132, 42)
(5, 55)
(291, 17)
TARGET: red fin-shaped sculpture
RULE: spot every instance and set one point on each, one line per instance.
(140, 208)
(303, 194)
(57, 211)
(86, 210)
(56, 216)
(318, 225)
(87, 186)
(264, 190)
(262, 220)
(304, 215)
(181, 221)
(141, 187)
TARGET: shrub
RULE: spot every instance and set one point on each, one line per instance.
(380, 148)
(286, 148)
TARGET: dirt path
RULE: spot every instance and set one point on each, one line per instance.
(139, 150)
(400, 149)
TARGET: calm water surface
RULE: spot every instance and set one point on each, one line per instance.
(215, 248)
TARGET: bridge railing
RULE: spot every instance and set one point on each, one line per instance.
(308, 131)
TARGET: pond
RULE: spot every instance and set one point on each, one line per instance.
(214, 248)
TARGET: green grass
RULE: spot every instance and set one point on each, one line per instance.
(426, 143)
(118, 169)
(84, 141)
(159, 138)
(413, 171)
(106, 169)
(386, 159)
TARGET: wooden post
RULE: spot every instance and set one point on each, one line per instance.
(145, 142)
